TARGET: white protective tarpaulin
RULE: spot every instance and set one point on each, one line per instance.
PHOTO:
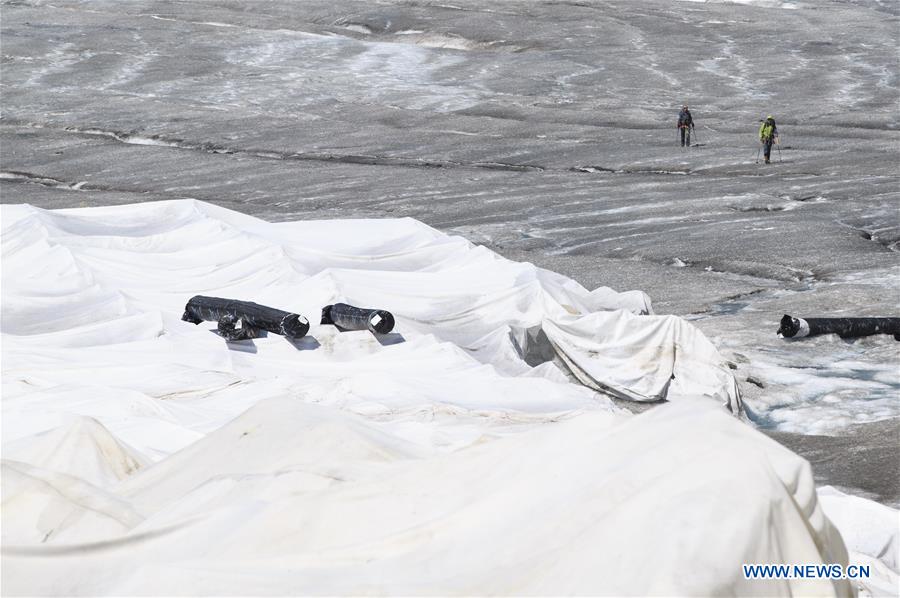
(144, 455)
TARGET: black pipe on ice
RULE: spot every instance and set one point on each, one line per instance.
(843, 327)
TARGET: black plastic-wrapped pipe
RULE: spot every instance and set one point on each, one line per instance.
(358, 318)
(844, 327)
(240, 320)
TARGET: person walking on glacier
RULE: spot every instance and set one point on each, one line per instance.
(768, 135)
(685, 124)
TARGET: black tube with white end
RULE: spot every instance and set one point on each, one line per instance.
(843, 327)
(348, 317)
(243, 320)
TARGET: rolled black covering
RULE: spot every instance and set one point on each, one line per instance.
(358, 318)
(241, 320)
(844, 327)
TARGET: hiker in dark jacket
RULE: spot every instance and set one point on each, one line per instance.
(685, 124)
(768, 135)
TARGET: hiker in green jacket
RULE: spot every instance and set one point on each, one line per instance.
(768, 135)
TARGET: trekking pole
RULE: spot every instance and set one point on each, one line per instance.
(696, 137)
(757, 153)
(778, 147)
